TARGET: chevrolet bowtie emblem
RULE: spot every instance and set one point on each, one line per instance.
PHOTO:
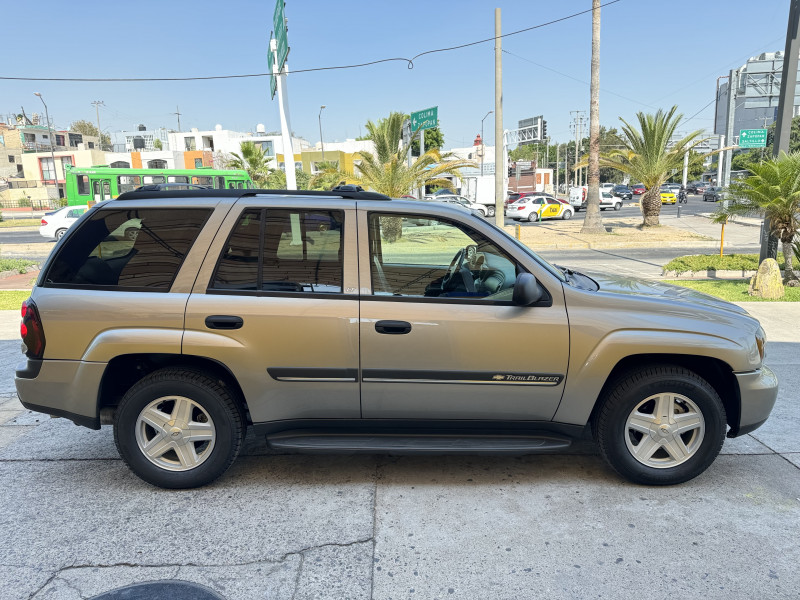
(499, 377)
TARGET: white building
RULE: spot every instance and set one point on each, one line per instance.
(140, 140)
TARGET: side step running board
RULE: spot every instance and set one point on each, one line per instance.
(412, 443)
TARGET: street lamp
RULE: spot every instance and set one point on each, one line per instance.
(52, 142)
(321, 141)
(483, 146)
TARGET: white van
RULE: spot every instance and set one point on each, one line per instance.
(577, 197)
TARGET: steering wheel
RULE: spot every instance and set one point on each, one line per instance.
(455, 267)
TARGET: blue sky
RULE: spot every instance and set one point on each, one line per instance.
(653, 54)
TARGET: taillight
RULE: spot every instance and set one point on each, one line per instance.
(521, 207)
(44, 222)
(31, 330)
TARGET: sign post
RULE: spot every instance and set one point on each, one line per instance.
(753, 138)
(278, 51)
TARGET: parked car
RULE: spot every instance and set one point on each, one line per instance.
(233, 310)
(702, 187)
(673, 187)
(667, 195)
(714, 194)
(691, 187)
(609, 187)
(638, 189)
(55, 224)
(516, 196)
(461, 201)
(538, 207)
(623, 191)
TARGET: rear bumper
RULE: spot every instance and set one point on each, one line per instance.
(62, 388)
(758, 391)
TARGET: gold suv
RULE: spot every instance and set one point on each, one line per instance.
(348, 321)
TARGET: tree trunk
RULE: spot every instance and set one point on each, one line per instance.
(651, 207)
(788, 255)
(593, 223)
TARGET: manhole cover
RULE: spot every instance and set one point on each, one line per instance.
(158, 590)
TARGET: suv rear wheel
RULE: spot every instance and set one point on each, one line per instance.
(660, 425)
(178, 429)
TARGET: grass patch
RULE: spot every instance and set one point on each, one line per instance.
(20, 223)
(733, 290)
(715, 262)
(15, 264)
(12, 299)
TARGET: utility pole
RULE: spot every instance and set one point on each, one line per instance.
(558, 147)
(783, 124)
(178, 112)
(727, 155)
(720, 160)
(97, 104)
(685, 168)
(592, 223)
(499, 143)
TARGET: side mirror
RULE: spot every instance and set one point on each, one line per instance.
(527, 290)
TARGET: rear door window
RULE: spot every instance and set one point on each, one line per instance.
(127, 250)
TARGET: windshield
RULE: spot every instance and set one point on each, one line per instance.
(552, 269)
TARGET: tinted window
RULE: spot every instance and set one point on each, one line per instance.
(83, 185)
(128, 183)
(132, 250)
(416, 256)
(278, 250)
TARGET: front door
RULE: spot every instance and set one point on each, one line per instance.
(101, 189)
(440, 337)
(275, 302)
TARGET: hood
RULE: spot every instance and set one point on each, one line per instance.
(645, 288)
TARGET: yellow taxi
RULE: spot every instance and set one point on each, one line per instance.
(667, 196)
(535, 208)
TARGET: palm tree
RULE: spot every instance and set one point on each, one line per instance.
(648, 156)
(773, 190)
(253, 159)
(395, 178)
(328, 176)
(386, 135)
(593, 223)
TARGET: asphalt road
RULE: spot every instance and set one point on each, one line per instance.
(9, 236)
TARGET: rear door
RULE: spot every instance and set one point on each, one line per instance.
(276, 302)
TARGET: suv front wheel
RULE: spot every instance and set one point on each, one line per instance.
(660, 425)
(178, 429)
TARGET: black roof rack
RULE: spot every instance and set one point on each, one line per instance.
(144, 194)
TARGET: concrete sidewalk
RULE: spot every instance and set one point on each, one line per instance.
(76, 523)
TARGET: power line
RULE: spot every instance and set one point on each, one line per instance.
(409, 61)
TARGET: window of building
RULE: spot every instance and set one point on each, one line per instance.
(282, 250)
(91, 145)
(48, 168)
(267, 148)
(417, 256)
(60, 140)
(66, 160)
(128, 183)
(156, 164)
(198, 162)
(75, 139)
(128, 250)
(30, 138)
(121, 164)
(10, 158)
(189, 144)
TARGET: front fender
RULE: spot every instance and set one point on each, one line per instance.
(589, 371)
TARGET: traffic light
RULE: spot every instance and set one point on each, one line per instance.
(544, 129)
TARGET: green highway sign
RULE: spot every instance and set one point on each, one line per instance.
(425, 119)
(752, 138)
(279, 26)
(273, 81)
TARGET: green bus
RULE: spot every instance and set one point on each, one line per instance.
(87, 185)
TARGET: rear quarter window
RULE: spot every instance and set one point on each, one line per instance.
(127, 250)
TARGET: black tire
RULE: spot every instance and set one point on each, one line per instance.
(60, 233)
(490, 211)
(618, 206)
(634, 390)
(209, 402)
(533, 217)
(567, 215)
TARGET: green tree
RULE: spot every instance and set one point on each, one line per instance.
(276, 180)
(434, 138)
(327, 177)
(773, 190)
(253, 159)
(646, 158)
(157, 144)
(89, 128)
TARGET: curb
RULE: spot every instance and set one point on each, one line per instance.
(709, 274)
